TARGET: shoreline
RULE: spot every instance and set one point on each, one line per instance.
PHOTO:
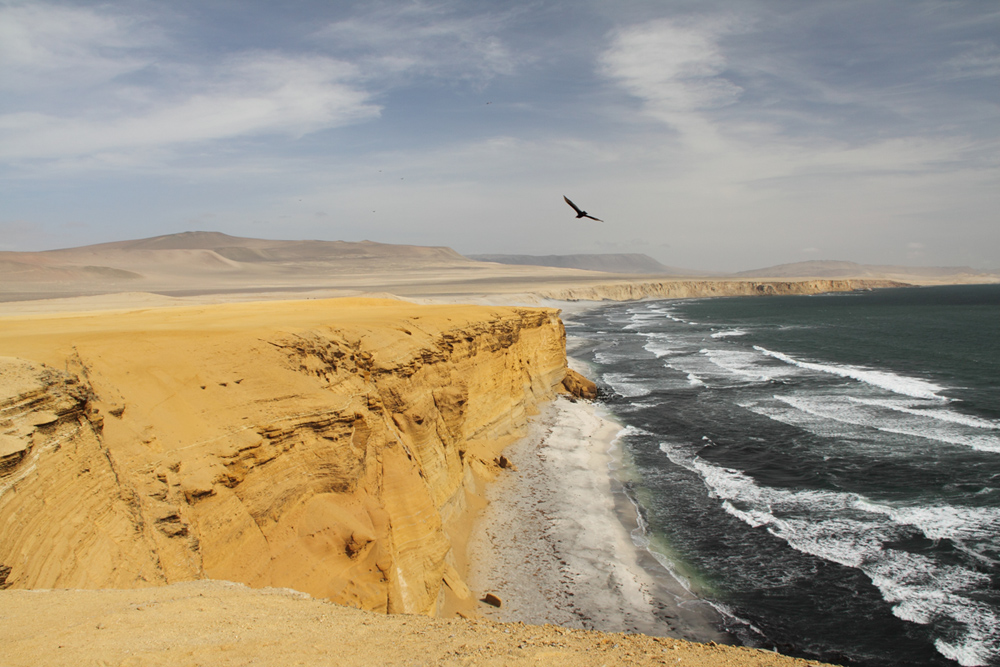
(555, 541)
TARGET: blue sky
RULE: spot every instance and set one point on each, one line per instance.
(716, 134)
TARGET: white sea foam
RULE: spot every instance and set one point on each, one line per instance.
(913, 423)
(606, 358)
(939, 522)
(660, 344)
(921, 591)
(982, 443)
(669, 313)
(740, 362)
(638, 320)
(898, 384)
(661, 312)
(935, 412)
(694, 380)
(631, 431)
(659, 349)
(729, 333)
(780, 412)
(853, 531)
(626, 385)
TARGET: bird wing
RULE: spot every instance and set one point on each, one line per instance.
(575, 207)
(592, 217)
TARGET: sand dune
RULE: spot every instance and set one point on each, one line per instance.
(209, 262)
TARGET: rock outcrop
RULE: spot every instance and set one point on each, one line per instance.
(325, 446)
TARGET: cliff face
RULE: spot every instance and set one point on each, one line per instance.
(327, 446)
(680, 289)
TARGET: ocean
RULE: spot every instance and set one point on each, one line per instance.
(823, 470)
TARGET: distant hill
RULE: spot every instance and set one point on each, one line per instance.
(841, 269)
(241, 249)
(211, 260)
(629, 263)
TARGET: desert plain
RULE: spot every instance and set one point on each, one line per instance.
(232, 451)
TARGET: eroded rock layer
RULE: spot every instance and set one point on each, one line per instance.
(325, 446)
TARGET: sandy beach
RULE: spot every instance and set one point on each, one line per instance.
(555, 542)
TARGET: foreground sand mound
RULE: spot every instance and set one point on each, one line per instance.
(219, 623)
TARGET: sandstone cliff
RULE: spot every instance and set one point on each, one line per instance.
(681, 289)
(325, 446)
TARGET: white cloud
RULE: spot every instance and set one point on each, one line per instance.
(678, 70)
(136, 95)
(674, 68)
(248, 94)
(50, 54)
(43, 45)
(425, 39)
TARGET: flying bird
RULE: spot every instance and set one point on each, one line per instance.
(579, 213)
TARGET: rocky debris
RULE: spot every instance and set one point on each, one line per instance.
(577, 385)
(492, 599)
(505, 464)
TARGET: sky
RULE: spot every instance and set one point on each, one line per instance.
(708, 134)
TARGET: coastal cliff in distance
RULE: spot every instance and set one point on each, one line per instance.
(330, 446)
(685, 289)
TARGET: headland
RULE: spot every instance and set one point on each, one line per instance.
(336, 449)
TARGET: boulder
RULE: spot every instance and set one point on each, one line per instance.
(579, 386)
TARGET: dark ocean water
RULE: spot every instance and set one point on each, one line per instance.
(824, 469)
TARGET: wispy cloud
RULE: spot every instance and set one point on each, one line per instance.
(426, 39)
(673, 67)
(677, 70)
(981, 60)
(244, 94)
(44, 46)
(683, 73)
